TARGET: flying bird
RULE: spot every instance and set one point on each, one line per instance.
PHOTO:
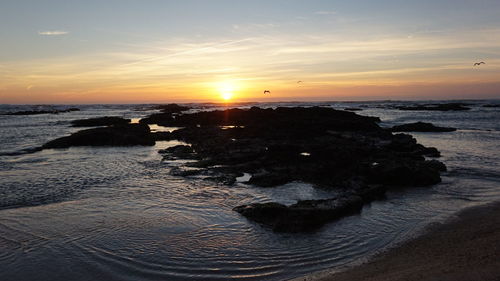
(299, 82)
(479, 63)
(267, 92)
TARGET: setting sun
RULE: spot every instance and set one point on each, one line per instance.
(227, 96)
(226, 90)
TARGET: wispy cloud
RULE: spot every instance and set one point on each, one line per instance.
(326, 13)
(52, 32)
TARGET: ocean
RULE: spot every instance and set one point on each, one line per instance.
(116, 213)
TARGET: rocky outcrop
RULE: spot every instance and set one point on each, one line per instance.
(304, 215)
(421, 127)
(168, 113)
(492, 105)
(437, 107)
(100, 121)
(178, 152)
(36, 112)
(329, 148)
(119, 135)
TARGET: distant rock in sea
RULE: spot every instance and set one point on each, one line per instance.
(36, 112)
(167, 112)
(492, 105)
(421, 127)
(100, 121)
(437, 107)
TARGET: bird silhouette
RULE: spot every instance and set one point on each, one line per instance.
(299, 81)
(479, 63)
(267, 92)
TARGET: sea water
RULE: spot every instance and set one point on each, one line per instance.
(115, 213)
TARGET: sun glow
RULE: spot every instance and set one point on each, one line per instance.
(226, 90)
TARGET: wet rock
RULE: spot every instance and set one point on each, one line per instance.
(120, 135)
(172, 108)
(437, 107)
(166, 116)
(162, 136)
(266, 179)
(303, 216)
(178, 152)
(492, 105)
(437, 165)
(410, 173)
(332, 149)
(315, 117)
(371, 192)
(408, 144)
(421, 127)
(100, 121)
(36, 112)
(162, 119)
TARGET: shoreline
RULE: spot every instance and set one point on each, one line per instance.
(464, 247)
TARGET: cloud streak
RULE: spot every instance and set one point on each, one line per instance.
(326, 13)
(52, 33)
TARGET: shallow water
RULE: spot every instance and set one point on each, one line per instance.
(116, 213)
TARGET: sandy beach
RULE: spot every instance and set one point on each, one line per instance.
(466, 247)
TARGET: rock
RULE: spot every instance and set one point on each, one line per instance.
(437, 165)
(36, 112)
(100, 121)
(421, 127)
(166, 116)
(409, 173)
(315, 117)
(162, 136)
(333, 149)
(436, 107)
(267, 179)
(492, 105)
(178, 152)
(303, 216)
(120, 135)
(172, 108)
(408, 144)
(162, 119)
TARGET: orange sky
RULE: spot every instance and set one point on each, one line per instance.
(336, 50)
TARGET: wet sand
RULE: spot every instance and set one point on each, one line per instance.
(466, 247)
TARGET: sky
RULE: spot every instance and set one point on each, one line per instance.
(150, 51)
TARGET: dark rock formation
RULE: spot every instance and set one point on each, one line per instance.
(162, 136)
(100, 121)
(421, 127)
(119, 135)
(178, 152)
(492, 105)
(436, 107)
(304, 215)
(168, 111)
(172, 108)
(36, 112)
(329, 148)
